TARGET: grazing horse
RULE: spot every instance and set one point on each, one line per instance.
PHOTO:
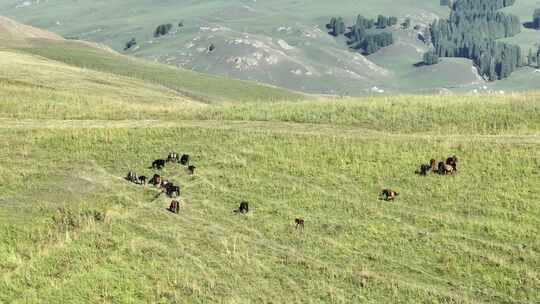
(440, 168)
(142, 180)
(172, 190)
(433, 165)
(156, 180)
(389, 194)
(158, 164)
(132, 177)
(299, 223)
(448, 169)
(184, 160)
(165, 183)
(173, 157)
(452, 161)
(244, 208)
(424, 169)
(191, 169)
(174, 207)
(445, 169)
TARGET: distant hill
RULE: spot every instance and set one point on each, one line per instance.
(82, 54)
(15, 32)
(282, 43)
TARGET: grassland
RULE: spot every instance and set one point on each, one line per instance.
(73, 231)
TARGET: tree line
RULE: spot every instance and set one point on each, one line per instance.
(471, 32)
(161, 30)
(533, 58)
(366, 35)
(536, 19)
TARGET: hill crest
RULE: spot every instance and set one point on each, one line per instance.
(14, 31)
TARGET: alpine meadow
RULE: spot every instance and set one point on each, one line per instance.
(125, 178)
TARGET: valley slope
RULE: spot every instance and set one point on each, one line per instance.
(283, 43)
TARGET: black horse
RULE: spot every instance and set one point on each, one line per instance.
(158, 164)
(184, 160)
(244, 208)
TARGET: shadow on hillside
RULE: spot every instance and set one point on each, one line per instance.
(529, 25)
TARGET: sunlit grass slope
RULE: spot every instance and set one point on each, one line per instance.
(198, 86)
(73, 231)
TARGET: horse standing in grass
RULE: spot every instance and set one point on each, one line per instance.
(132, 177)
(158, 164)
(172, 190)
(184, 160)
(299, 223)
(389, 194)
(156, 180)
(452, 161)
(174, 207)
(173, 157)
(244, 208)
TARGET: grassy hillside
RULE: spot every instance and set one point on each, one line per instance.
(190, 84)
(89, 56)
(72, 230)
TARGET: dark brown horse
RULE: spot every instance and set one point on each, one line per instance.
(299, 223)
(389, 194)
(174, 207)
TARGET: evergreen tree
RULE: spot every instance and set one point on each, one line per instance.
(362, 36)
(538, 58)
(430, 58)
(446, 3)
(330, 25)
(363, 22)
(162, 30)
(426, 36)
(382, 21)
(536, 19)
(471, 32)
(492, 72)
(407, 23)
(340, 27)
(336, 26)
(509, 2)
(374, 42)
(131, 43)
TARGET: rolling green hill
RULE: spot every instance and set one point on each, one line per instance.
(72, 230)
(282, 43)
(186, 83)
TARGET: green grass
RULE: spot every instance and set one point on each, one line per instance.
(194, 85)
(73, 231)
(466, 238)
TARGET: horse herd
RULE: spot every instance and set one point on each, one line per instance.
(166, 186)
(443, 168)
